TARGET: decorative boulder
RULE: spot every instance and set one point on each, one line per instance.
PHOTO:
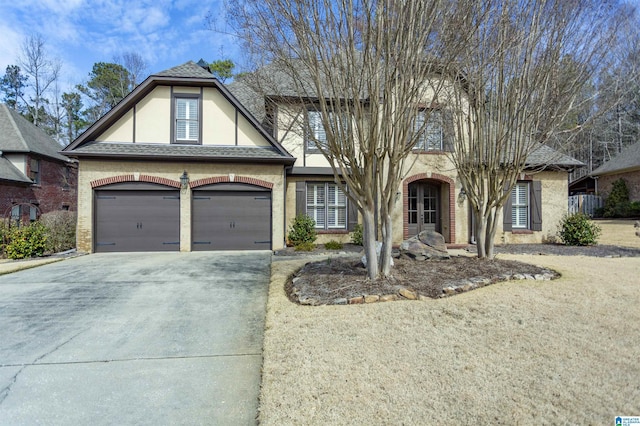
(425, 245)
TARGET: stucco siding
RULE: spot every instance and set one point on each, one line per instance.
(121, 131)
(218, 121)
(153, 117)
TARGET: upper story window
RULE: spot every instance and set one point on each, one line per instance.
(429, 126)
(34, 170)
(187, 119)
(316, 135)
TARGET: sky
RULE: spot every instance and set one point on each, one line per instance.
(80, 33)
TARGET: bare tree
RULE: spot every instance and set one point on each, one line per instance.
(366, 67)
(523, 67)
(135, 64)
(42, 70)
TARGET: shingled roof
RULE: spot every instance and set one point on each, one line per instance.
(182, 152)
(20, 136)
(544, 155)
(627, 160)
(187, 70)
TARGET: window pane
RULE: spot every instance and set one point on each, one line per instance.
(181, 129)
(520, 205)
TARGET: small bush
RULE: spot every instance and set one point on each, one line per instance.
(357, 237)
(305, 246)
(333, 245)
(578, 230)
(617, 203)
(303, 230)
(62, 230)
(4, 236)
(27, 241)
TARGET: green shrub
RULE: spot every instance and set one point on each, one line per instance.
(333, 245)
(617, 203)
(578, 230)
(27, 241)
(62, 230)
(303, 230)
(4, 236)
(305, 246)
(357, 237)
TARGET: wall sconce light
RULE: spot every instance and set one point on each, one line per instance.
(398, 194)
(184, 180)
(462, 195)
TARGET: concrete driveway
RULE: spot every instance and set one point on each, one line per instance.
(150, 338)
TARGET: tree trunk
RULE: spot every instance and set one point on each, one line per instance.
(480, 234)
(387, 241)
(490, 233)
(369, 241)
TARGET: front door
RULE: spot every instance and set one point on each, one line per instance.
(424, 212)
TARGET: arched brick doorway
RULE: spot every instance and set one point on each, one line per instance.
(429, 203)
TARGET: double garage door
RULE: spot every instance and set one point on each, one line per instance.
(229, 217)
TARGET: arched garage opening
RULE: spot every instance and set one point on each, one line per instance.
(231, 216)
(136, 216)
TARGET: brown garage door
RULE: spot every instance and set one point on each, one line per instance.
(137, 220)
(233, 217)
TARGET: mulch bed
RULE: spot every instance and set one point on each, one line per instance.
(344, 277)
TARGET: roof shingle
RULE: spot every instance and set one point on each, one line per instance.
(178, 152)
(19, 135)
(628, 159)
(187, 70)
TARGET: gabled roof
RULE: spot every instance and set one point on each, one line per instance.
(627, 160)
(20, 136)
(187, 70)
(9, 172)
(187, 74)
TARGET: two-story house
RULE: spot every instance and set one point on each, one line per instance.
(34, 177)
(186, 163)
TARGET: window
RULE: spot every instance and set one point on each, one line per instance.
(327, 205)
(316, 132)
(33, 213)
(16, 213)
(187, 128)
(316, 135)
(34, 170)
(520, 206)
(431, 135)
(523, 210)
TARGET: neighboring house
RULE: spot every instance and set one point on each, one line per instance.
(625, 166)
(183, 164)
(34, 177)
(179, 164)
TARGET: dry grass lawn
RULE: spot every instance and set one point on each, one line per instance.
(519, 352)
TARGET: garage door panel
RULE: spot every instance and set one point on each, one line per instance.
(137, 221)
(231, 220)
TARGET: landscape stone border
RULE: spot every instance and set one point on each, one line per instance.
(452, 288)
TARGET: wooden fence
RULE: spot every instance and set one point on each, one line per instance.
(586, 204)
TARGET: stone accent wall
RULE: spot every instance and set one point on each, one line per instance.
(94, 173)
(56, 190)
(632, 180)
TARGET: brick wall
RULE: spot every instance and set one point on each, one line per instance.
(632, 180)
(57, 188)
